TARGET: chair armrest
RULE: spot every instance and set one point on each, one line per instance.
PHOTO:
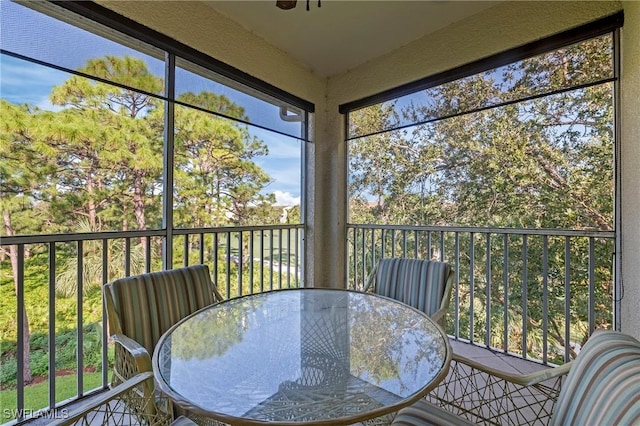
(217, 294)
(131, 358)
(183, 421)
(518, 379)
(483, 394)
(370, 279)
(123, 404)
(439, 316)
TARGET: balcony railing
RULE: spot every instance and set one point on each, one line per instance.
(537, 294)
(63, 274)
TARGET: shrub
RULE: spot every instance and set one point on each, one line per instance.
(39, 363)
(8, 372)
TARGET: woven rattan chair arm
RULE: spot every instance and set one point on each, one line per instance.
(519, 379)
(370, 279)
(79, 415)
(139, 354)
(439, 316)
(486, 395)
(217, 294)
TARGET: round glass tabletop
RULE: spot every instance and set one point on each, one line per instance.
(301, 356)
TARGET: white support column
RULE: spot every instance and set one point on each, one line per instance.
(630, 147)
(329, 223)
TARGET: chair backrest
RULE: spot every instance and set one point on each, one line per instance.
(423, 284)
(143, 307)
(603, 385)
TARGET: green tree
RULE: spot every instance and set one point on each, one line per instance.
(542, 163)
(92, 261)
(24, 169)
(107, 138)
(217, 181)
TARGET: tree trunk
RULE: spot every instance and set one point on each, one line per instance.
(13, 255)
(91, 203)
(138, 209)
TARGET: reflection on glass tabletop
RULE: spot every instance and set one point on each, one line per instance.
(301, 356)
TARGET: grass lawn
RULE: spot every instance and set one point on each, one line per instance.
(37, 396)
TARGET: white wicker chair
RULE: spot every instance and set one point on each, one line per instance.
(132, 402)
(602, 388)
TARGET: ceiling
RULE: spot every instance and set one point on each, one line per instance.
(340, 35)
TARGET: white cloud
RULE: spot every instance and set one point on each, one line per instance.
(286, 199)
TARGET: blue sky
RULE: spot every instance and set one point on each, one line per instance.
(35, 35)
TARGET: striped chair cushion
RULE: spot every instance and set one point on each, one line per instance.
(603, 386)
(418, 283)
(183, 421)
(424, 414)
(148, 305)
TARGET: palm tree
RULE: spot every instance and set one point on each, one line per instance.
(92, 266)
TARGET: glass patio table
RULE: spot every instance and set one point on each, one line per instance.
(301, 356)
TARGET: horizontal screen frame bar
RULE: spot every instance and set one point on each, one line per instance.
(134, 29)
(575, 35)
